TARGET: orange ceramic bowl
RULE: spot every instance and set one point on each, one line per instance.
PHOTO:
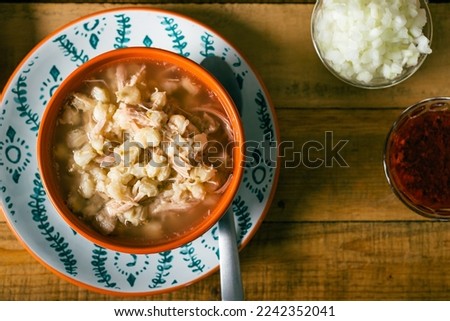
(51, 179)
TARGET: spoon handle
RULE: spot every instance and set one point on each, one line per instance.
(230, 273)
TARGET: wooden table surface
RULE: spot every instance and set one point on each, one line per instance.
(332, 233)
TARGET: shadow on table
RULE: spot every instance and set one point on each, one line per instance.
(18, 43)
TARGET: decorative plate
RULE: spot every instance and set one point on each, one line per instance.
(31, 215)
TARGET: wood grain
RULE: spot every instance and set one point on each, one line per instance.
(354, 190)
(301, 261)
(274, 37)
(332, 232)
(331, 192)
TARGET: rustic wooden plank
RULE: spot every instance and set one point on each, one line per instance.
(332, 233)
(274, 37)
(348, 261)
(326, 190)
(285, 261)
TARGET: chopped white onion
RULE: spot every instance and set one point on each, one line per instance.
(364, 40)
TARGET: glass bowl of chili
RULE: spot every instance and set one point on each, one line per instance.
(417, 157)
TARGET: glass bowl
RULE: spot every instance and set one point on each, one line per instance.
(417, 157)
(378, 81)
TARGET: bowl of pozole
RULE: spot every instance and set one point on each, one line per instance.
(140, 150)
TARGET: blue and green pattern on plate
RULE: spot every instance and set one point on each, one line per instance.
(23, 196)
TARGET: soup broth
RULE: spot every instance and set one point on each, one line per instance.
(143, 151)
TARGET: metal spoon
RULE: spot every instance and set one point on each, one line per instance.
(230, 273)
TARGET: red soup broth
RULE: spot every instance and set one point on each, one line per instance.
(143, 151)
(417, 159)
